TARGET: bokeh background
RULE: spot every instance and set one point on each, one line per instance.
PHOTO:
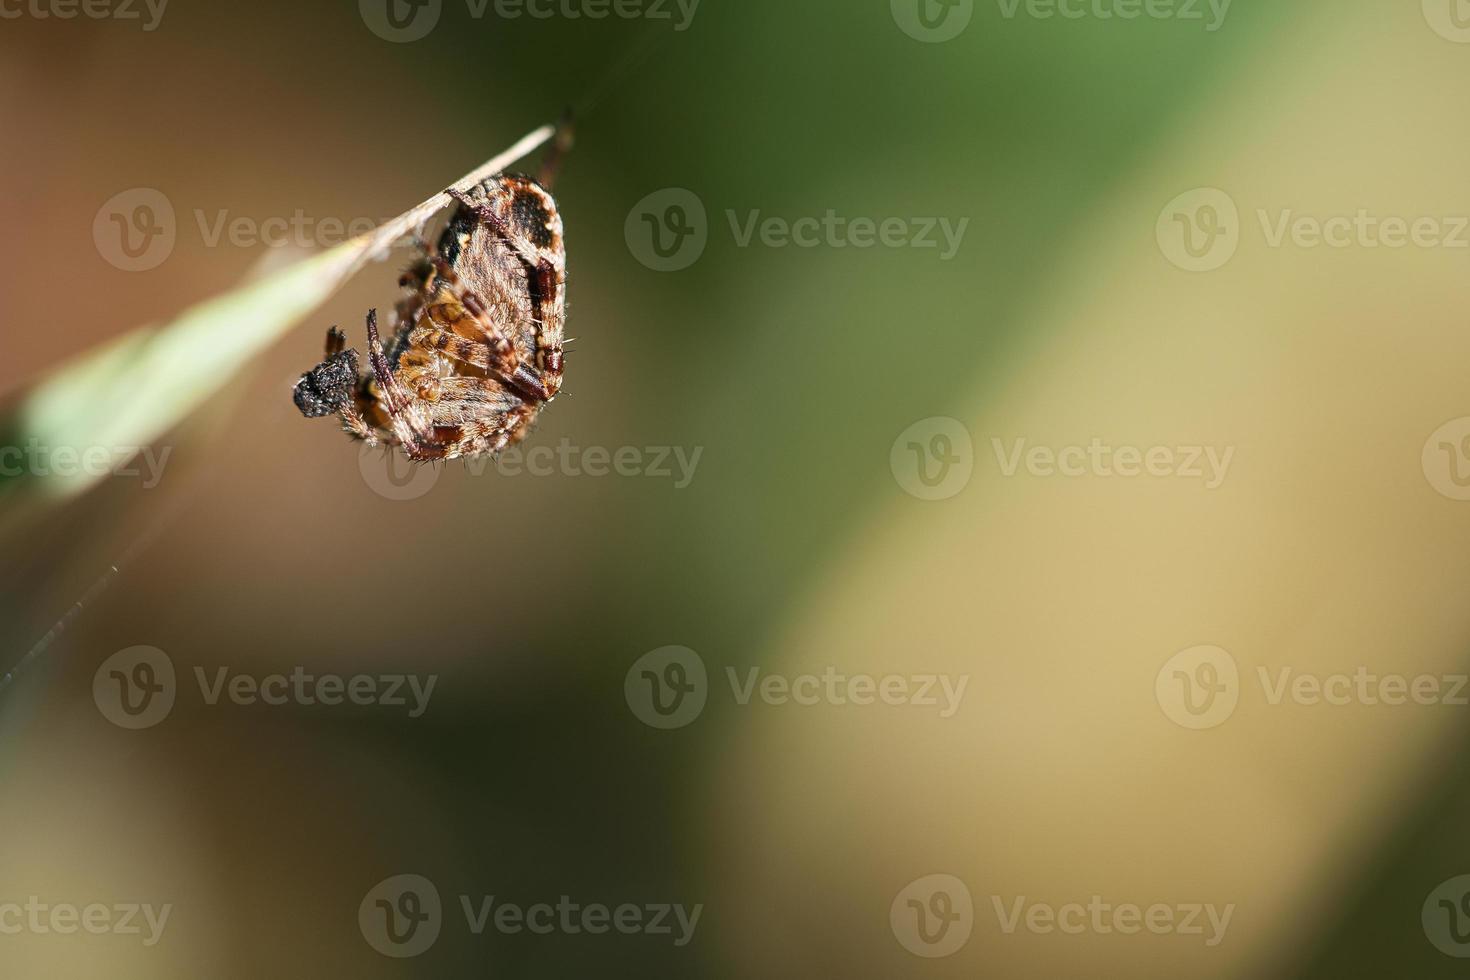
(1075, 148)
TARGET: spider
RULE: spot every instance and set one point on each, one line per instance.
(475, 351)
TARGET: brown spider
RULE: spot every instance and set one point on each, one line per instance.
(476, 345)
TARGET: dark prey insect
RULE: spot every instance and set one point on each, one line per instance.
(475, 348)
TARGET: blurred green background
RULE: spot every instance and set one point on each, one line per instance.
(270, 543)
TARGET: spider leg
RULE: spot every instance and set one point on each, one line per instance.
(477, 392)
(395, 396)
(523, 249)
(470, 308)
(561, 143)
(420, 371)
(416, 276)
(526, 380)
(410, 308)
(550, 301)
(481, 434)
(418, 375)
(547, 284)
(431, 337)
(353, 425)
(414, 433)
(415, 280)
